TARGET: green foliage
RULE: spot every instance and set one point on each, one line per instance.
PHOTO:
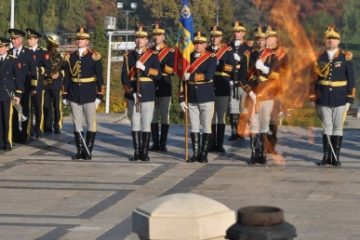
(302, 117)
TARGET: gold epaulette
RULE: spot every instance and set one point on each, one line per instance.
(66, 56)
(12, 56)
(96, 56)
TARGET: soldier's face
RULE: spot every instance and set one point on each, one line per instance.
(239, 35)
(332, 43)
(260, 43)
(216, 40)
(141, 42)
(82, 43)
(271, 42)
(159, 39)
(200, 47)
(17, 42)
(32, 42)
(3, 49)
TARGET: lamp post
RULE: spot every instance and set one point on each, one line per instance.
(12, 14)
(110, 25)
(133, 6)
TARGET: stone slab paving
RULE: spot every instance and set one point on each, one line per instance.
(46, 195)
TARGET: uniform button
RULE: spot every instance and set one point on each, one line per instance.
(330, 89)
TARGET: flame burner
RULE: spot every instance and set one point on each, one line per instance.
(261, 223)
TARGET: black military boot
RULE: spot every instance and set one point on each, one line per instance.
(233, 123)
(137, 145)
(262, 149)
(336, 143)
(254, 146)
(145, 146)
(205, 147)
(220, 138)
(195, 140)
(272, 138)
(90, 139)
(79, 146)
(155, 137)
(213, 143)
(327, 151)
(163, 137)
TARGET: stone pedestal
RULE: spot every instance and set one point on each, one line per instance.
(182, 216)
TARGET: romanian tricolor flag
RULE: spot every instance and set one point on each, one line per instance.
(184, 45)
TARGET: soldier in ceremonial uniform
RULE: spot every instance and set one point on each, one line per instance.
(200, 96)
(53, 81)
(41, 57)
(83, 90)
(334, 92)
(241, 52)
(223, 77)
(163, 89)
(140, 70)
(11, 86)
(263, 87)
(28, 69)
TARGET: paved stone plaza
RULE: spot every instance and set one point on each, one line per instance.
(46, 195)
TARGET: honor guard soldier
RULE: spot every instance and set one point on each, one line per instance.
(28, 68)
(334, 92)
(83, 90)
(140, 70)
(163, 89)
(53, 81)
(41, 58)
(241, 52)
(263, 87)
(11, 88)
(200, 96)
(223, 76)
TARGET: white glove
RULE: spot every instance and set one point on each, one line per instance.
(347, 106)
(187, 76)
(140, 65)
(183, 106)
(237, 57)
(65, 102)
(97, 102)
(252, 96)
(231, 83)
(260, 66)
(135, 96)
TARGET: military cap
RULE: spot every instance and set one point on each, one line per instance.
(82, 33)
(238, 27)
(216, 31)
(270, 32)
(15, 33)
(31, 33)
(331, 32)
(4, 41)
(199, 37)
(260, 32)
(140, 31)
(158, 29)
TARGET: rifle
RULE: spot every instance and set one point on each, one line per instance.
(138, 88)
